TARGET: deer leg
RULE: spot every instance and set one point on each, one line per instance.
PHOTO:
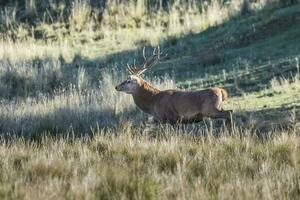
(171, 120)
(228, 121)
(155, 120)
(223, 114)
(195, 119)
(166, 118)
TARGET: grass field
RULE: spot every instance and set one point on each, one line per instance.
(67, 134)
(126, 163)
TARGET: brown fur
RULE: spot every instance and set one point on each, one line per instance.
(177, 106)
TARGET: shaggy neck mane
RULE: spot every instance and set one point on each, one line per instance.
(144, 96)
(146, 87)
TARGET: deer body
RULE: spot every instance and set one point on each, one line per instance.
(173, 106)
(187, 106)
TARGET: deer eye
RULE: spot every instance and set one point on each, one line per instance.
(128, 81)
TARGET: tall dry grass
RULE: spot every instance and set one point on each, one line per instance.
(79, 21)
(126, 163)
(42, 96)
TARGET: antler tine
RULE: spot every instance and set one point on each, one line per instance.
(142, 71)
(133, 69)
(145, 60)
(156, 57)
(161, 53)
(148, 63)
(144, 56)
(129, 68)
(158, 52)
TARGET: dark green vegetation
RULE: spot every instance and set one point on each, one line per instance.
(66, 133)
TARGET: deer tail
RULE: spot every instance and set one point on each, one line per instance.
(224, 94)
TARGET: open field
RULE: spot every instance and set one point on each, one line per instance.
(125, 163)
(67, 134)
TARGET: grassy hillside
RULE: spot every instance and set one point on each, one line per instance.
(66, 133)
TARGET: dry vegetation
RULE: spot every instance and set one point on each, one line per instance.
(66, 133)
(126, 163)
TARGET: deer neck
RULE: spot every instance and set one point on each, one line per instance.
(143, 98)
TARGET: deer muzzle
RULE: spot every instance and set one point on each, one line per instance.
(118, 88)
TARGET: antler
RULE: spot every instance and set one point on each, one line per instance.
(157, 55)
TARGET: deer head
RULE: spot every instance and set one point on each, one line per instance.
(134, 81)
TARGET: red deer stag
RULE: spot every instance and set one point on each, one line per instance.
(172, 106)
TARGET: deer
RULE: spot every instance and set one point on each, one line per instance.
(172, 106)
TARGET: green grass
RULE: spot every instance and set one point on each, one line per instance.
(67, 134)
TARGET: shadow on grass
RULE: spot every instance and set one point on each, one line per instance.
(236, 54)
(63, 122)
(264, 121)
(71, 123)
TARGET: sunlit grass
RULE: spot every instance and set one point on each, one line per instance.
(26, 51)
(125, 163)
(130, 21)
